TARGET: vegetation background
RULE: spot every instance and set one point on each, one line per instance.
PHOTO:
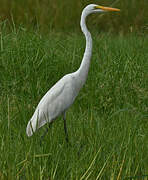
(108, 123)
(64, 15)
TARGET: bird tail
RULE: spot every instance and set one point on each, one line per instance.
(32, 125)
(29, 129)
(37, 121)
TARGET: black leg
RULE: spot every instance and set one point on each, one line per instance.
(65, 128)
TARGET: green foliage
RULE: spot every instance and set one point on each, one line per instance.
(65, 15)
(107, 124)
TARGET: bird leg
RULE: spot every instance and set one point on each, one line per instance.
(65, 128)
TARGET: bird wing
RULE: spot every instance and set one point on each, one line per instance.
(53, 103)
(52, 93)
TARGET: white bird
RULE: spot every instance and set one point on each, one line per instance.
(62, 95)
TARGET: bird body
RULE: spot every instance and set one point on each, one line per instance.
(56, 101)
(62, 95)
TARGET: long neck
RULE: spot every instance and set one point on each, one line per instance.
(84, 67)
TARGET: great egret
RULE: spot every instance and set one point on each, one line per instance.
(62, 95)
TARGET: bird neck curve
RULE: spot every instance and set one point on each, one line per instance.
(84, 67)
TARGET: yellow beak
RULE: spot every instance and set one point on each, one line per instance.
(107, 8)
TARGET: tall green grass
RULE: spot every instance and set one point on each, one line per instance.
(107, 124)
(65, 15)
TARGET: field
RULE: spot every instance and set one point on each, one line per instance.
(107, 124)
(65, 15)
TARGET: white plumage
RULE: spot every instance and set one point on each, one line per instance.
(62, 95)
(53, 103)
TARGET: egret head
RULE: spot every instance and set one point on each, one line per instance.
(93, 8)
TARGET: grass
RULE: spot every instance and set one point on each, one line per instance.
(65, 14)
(107, 124)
